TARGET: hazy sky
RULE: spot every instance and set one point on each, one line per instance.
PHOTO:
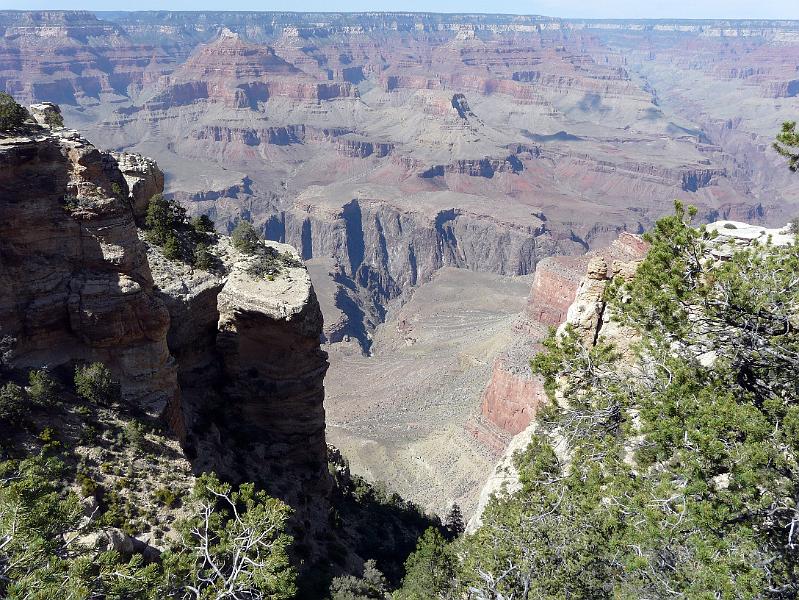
(695, 9)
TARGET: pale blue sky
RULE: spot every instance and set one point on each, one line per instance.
(651, 9)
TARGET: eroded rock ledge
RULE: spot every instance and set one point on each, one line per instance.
(251, 371)
(232, 361)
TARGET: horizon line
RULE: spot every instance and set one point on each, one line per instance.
(395, 12)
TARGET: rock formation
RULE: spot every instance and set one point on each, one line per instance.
(230, 360)
(513, 394)
(76, 282)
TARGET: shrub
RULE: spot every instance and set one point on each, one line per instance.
(12, 115)
(270, 262)
(116, 189)
(163, 217)
(166, 496)
(71, 202)
(54, 119)
(203, 259)
(49, 441)
(245, 238)
(794, 226)
(171, 248)
(203, 224)
(94, 383)
(7, 344)
(135, 434)
(12, 403)
(42, 388)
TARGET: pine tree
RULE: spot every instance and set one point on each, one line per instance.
(454, 521)
(787, 144)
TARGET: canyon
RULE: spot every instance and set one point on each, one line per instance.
(447, 179)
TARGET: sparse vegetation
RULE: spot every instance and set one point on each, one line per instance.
(167, 497)
(12, 403)
(95, 383)
(179, 239)
(787, 144)
(12, 115)
(54, 119)
(266, 262)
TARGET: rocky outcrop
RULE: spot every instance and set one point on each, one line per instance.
(582, 296)
(251, 373)
(485, 167)
(76, 282)
(513, 395)
(231, 360)
(144, 179)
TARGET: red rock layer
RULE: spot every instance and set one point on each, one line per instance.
(513, 395)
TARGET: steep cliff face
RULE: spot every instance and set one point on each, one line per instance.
(570, 292)
(76, 282)
(513, 394)
(232, 361)
(251, 372)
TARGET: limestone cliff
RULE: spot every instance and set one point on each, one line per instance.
(76, 284)
(513, 394)
(251, 372)
(231, 360)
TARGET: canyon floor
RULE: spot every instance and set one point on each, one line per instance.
(399, 415)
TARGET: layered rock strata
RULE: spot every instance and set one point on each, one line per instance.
(231, 360)
(513, 394)
(251, 372)
(76, 282)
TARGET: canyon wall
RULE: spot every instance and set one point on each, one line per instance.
(573, 294)
(230, 360)
(76, 282)
(513, 394)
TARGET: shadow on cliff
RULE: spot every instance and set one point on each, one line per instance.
(366, 521)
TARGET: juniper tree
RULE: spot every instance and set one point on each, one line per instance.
(787, 144)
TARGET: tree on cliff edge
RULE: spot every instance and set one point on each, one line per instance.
(12, 115)
(671, 471)
(787, 145)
